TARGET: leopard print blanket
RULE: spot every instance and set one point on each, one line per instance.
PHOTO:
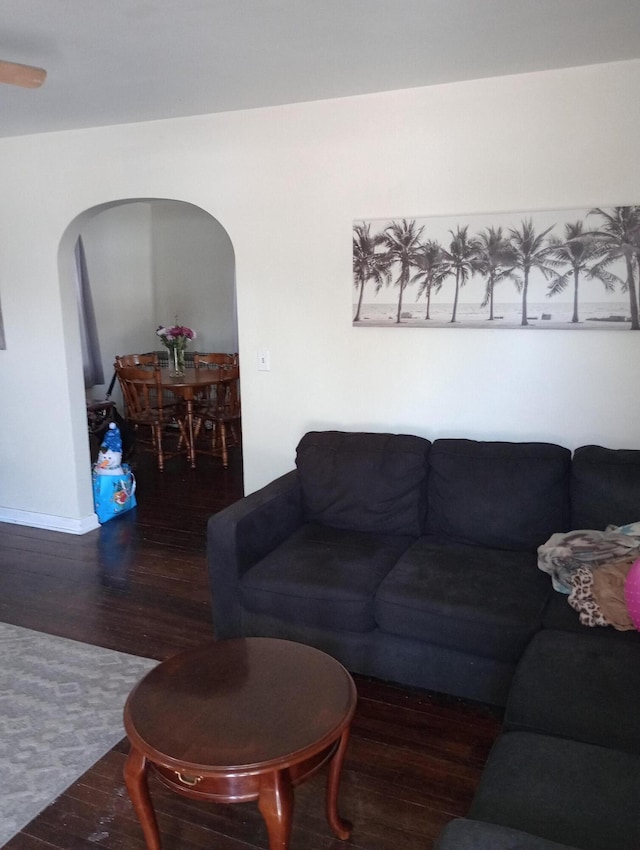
(582, 600)
(598, 595)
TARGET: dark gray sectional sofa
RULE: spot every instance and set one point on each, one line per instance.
(565, 772)
(416, 562)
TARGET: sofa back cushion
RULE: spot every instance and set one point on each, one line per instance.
(364, 482)
(504, 495)
(605, 487)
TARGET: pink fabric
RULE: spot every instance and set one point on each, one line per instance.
(632, 593)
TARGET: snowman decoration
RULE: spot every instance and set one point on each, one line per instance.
(110, 454)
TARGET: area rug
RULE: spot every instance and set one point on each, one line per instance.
(61, 705)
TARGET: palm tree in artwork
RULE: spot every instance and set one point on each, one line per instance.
(462, 258)
(403, 246)
(531, 252)
(369, 263)
(619, 234)
(581, 252)
(433, 270)
(495, 261)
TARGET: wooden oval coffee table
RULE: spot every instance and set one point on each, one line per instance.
(237, 720)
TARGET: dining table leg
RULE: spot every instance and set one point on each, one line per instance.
(191, 448)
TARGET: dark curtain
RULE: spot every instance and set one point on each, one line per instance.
(91, 358)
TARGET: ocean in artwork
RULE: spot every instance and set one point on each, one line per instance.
(606, 315)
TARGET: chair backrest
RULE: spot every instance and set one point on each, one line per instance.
(141, 391)
(149, 360)
(163, 357)
(228, 394)
(215, 360)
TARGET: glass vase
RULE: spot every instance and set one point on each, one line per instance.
(176, 362)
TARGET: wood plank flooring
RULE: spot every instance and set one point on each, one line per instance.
(139, 585)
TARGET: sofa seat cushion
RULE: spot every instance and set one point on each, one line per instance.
(565, 791)
(560, 616)
(364, 482)
(502, 495)
(605, 487)
(465, 834)
(487, 602)
(323, 576)
(588, 690)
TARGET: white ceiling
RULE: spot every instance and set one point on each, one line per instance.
(117, 61)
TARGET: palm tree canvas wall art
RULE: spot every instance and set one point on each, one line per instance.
(562, 269)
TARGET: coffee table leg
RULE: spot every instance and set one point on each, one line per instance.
(135, 778)
(276, 807)
(342, 828)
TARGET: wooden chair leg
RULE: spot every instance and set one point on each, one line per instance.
(223, 445)
(157, 430)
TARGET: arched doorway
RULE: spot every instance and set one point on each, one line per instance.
(148, 261)
(151, 260)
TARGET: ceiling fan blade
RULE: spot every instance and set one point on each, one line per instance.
(21, 75)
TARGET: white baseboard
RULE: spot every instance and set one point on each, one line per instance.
(49, 522)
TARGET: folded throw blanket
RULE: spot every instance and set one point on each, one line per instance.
(564, 553)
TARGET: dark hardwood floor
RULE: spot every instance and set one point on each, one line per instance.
(139, 585)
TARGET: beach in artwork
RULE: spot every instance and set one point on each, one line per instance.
(553, 316)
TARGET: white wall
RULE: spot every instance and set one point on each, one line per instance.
(194, 275)
(286, 184)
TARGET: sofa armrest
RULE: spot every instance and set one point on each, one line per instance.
(239, 536)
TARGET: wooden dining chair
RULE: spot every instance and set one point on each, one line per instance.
(163, 358)
(217, 415)
(145, 409)
(150, 360)
(213, 361)
(147, 361)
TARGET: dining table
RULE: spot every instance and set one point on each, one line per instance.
(191, 386)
